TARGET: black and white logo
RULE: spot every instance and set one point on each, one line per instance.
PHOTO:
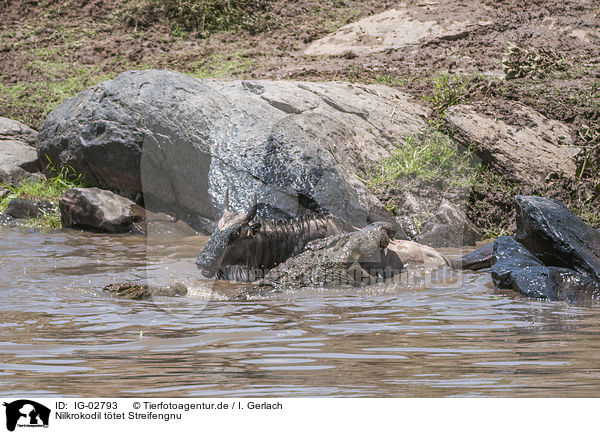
(26, 413)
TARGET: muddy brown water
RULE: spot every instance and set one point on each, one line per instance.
(61, 336)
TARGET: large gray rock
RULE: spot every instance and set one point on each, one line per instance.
(520, 143)
(556, 236)
(92, 208)
(184, 142)
(18, 156)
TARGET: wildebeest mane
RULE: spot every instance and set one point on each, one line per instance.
(263, 244)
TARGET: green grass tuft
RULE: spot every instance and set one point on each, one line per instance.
(448, 90)
(43, 189)
(30, 102)
(221, 66)
(427, 156)
(201, 17)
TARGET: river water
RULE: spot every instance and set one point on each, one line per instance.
(61, 336)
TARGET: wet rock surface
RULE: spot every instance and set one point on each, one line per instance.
(93, 208)
(183, 142)
(517, 268)
(557, 236)
(134, 291)
(354, 258)
(510, 259)
(475, 260)
(18, 156)
(553, 254)
(24, 208)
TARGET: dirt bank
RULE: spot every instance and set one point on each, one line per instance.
(51, 50)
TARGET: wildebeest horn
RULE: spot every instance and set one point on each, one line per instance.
(226, 201)
(252, 211)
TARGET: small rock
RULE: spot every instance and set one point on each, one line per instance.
(18, 156)
(98, 209)
(24, 208)
(133, 291)
(449, 227)
(12, 129)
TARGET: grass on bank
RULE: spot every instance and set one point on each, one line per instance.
(223, 66)
(31, 102)
(59, 79)
(448, 90)
(200, 17)
(430, 155)
(42, 189)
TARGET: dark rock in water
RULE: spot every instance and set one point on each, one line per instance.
(92, 208)
(555, 283)
(510, 258)
(476, 260)
(24, 208)
(183, 142)
(516, 268)
(557, 236)
(18, 156)
(573, 286)
(553, 254)
(449, 227)
(133, 291)
(354, 258)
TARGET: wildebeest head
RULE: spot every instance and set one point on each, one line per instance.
(229, 228)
